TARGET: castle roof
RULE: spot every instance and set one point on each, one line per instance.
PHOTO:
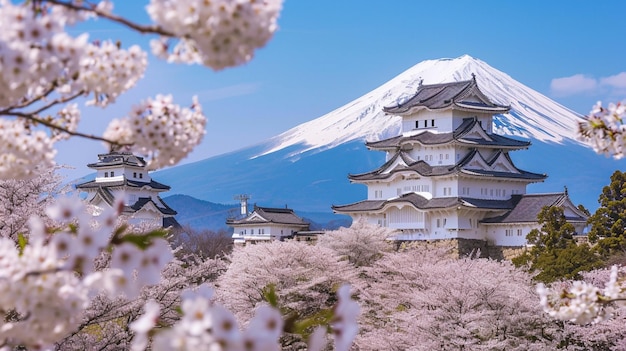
(401, 162)
(125, 182)
(118, 158)
(519, 208)
(422, 203)
(104, 194)
(463, 95)
(464, 134)
(270, 215)
(527, 207)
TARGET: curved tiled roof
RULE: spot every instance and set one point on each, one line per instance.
(270, 215)
(143, 201)
(118, 158)
(423, 203)
(424, 169)
(126, 182)
(459, 135)
(447, 95)
(527, 207)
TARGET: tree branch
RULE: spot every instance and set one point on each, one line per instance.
(144, 29)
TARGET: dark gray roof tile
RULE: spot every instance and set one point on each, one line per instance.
(445, 95)
(527, 207)
(271, 215)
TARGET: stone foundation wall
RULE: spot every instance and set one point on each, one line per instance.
(465, 247)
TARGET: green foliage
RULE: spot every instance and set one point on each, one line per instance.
(555, 254)
(610, 219)
(141, 240)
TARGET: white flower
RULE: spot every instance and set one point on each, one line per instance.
(66, 209)
(344, 322)
(144, 324)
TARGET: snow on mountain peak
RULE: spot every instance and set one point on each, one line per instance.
(532, 114)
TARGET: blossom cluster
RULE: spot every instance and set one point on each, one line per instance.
(160, 129)
(582, 303)
(206, 325)
(43, 67)
(47, 283)
(605, 129)
(41, 64)
(22, 150)
(218, 34)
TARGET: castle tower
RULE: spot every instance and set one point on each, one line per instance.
(124, 173)
(449, 176)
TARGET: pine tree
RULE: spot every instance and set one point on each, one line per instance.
(554, 253)
(608, 223)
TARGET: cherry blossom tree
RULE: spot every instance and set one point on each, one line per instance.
(423, 299)
(22, 198)
(361, 243)
(45, 70)
(106, 322)
(605, 129)
(305, 278)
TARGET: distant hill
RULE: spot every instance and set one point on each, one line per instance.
(200, 214)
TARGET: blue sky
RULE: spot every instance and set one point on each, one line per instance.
(328, 53)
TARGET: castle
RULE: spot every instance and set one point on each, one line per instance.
(449, 176)
(124, 173)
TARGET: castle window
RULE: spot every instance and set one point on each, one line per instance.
(425, 123)
(519, 232)
(134, 174)
(432, 122)
(106, 174)
(140, 175)
(251, 231)
(417, 124)
(112, 174)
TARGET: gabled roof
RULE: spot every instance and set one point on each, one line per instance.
(422, 168)
(270, 215)
(146, 201)
(118, 158)
(464, 95)
(126, 182)
(422, 203)
(463, 135)
(104, 194)
(527, 207)
(392, 166)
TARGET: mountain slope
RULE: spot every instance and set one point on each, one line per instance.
(306, 167)
(532, 114)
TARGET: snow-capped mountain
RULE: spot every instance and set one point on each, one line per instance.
(306, 167)
(532, 115)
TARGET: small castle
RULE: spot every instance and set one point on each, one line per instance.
(124, 173)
